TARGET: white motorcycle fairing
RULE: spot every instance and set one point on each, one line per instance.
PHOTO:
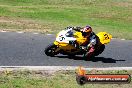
(65, 36)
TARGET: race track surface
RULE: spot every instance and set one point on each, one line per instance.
(27, 49)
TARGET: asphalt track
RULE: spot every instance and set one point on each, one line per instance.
(27, 49)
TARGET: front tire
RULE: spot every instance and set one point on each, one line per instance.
(50, 50)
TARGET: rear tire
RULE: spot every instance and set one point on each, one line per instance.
(50, 50)
(99, 51)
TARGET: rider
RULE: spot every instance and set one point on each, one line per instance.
(90, 35)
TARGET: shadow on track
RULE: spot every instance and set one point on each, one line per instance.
(95, 59)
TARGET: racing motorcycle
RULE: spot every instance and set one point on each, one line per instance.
(62, 44)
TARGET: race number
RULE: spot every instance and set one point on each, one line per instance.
(61, 38)
(106, 36)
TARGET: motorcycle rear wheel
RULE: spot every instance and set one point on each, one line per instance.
(100, 50)
(50, 50)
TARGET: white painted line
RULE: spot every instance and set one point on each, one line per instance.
(122, 39)
(56, 68)
(113, 38)
(35, 33)
(49, 34)
(3, 31)
(20, 32)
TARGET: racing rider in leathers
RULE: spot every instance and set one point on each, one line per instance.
(92, 39)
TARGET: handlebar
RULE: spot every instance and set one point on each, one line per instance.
(75, 28)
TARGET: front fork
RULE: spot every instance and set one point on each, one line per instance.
(57, 44)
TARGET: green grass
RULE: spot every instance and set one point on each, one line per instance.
(59, 79)
(113, 16)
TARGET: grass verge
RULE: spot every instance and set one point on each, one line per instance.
(51, 16)
(59, 79)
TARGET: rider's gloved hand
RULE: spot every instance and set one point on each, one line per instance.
(77, 28)
(69, 27)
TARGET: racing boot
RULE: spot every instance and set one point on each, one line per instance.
(89, 53)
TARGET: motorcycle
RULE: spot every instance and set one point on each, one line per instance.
(62, 44)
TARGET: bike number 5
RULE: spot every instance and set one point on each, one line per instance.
(61, 38)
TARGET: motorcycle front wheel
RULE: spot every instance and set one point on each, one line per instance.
(50, 50)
